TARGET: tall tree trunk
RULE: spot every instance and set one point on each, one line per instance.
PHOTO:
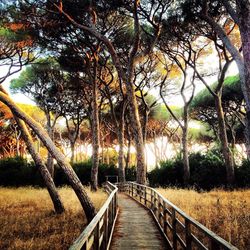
(72, 148)
(47, 178)
(137, 132)
(244, 25)
(120, 133)
(17, 142)
(95, 137)
(107, 156)
(185, 156)
(74, 181)
(224, 141)
(128, 152)
(145, 124)
(103, 160)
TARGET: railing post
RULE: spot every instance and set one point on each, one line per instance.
(154, 208)
(140, 192)
(165, 217)
(112, 210)
(145, 196)
(188, 234)
(116, 203)
(151, 199)
(132, 189)
(106, 229)
(97, 236)
(159, 208)
(174, 229)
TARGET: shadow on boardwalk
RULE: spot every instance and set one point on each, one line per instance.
(135, 228)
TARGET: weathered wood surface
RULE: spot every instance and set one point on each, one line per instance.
(135, 227)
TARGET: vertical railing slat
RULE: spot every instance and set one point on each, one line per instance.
(174, 233)
(188, 234)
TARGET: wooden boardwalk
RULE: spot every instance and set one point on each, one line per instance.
(135, 227)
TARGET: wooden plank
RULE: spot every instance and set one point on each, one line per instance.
(136, 228)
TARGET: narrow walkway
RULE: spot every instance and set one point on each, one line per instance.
(135, 228)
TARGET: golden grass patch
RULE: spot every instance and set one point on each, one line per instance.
(27, 220)
(227, 213)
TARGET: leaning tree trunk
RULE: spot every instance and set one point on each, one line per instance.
(95, 138)
(74, 181)
(50, 159)
(244, 16)
(224, 141)
(47, 178)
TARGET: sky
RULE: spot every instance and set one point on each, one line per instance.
(20, 98)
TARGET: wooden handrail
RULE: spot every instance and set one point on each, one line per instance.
(179, 229)
(97, 235)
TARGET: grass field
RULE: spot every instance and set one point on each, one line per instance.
(227, 213)
(27, 220)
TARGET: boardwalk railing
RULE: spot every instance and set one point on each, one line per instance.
(180, 230)
(98, 234)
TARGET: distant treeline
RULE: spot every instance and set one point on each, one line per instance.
(207, 172)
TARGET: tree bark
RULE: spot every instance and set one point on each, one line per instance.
(72, 148)
(120, 134)
(47, 178)
(128, 152)
(137, 131)
(145, 124)
(224, 141)
(243, 8)
(74, 181)
(95, 137)
(50, 159)
(186, 167)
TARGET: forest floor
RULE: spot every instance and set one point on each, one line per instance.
(27, 220)
(227, 213)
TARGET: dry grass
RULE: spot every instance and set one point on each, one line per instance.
(27, 220)
(227, 213)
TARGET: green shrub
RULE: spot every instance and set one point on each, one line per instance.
(83, 171)
(130, 173)
(242, 174)
(18, 172)
(169, 173)
(207, 171)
